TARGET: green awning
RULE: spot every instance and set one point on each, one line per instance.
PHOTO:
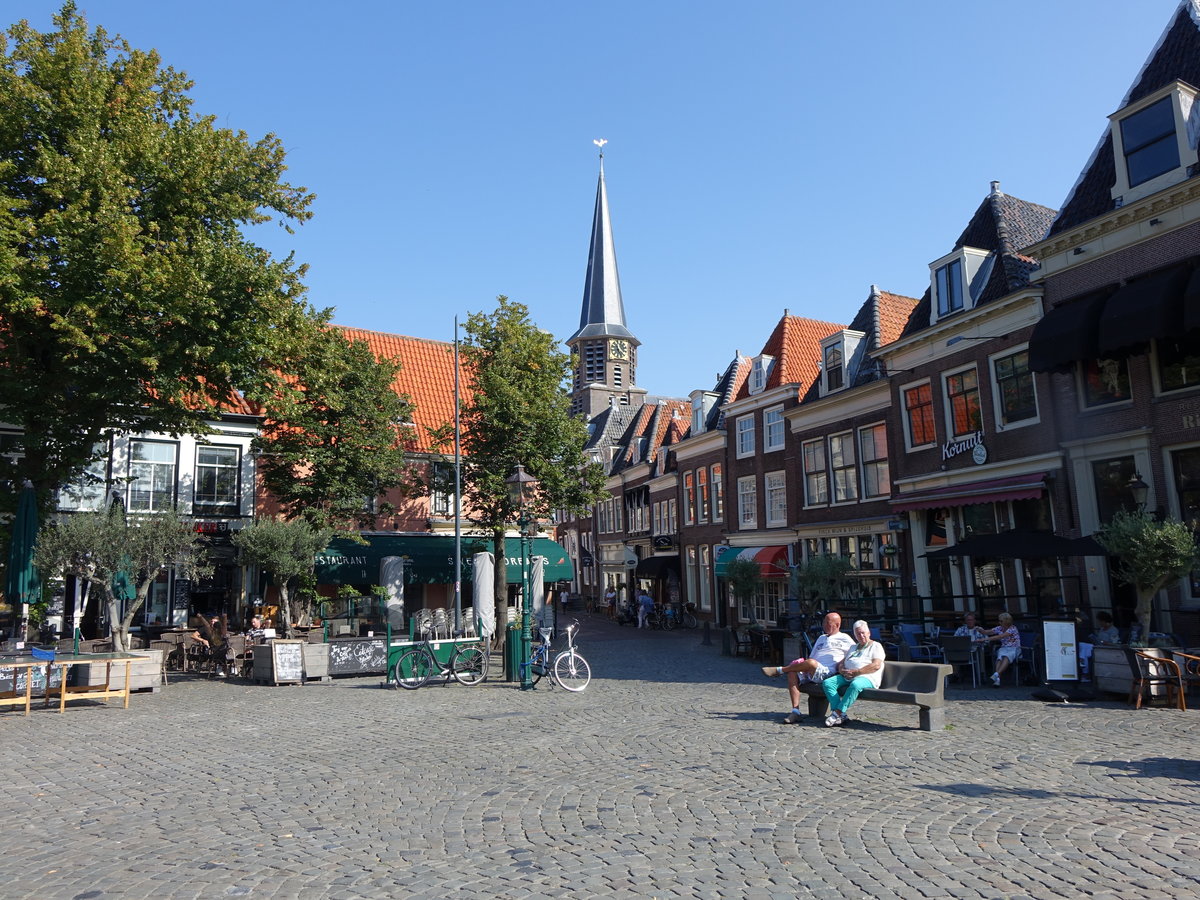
(429, 558)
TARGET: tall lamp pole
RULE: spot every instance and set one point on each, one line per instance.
(521, 489)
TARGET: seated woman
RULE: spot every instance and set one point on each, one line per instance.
(862, 668)
(1010, 645)
(213, 638)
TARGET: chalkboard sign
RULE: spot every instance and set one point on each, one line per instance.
(287, 661)
(15, 678)
(357, 656)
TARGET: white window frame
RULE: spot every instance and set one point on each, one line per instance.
(689, 498)
(152, 467)
(747, 499)
(1183, 96)
(775, 491)
(822, 475)
(774, 430)
(877, 464)
(839, 348)
(702, 507)
(849, 483)
(744, 427)
(948, 405)
(235, 467)
(705, 577)
(998, 398)
(717, 486)
(909, 446)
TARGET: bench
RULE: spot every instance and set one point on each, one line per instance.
(909, 683)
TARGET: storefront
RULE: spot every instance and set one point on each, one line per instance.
(774, 566)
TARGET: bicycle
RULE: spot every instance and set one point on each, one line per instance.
(678, 615)
(468, 665)
(569, 669)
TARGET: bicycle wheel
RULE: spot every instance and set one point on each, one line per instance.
(572, 671)
(470, 665)
(690, 620)
(669, 621)
(413, 669)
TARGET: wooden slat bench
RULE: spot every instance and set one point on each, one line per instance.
(908, 683)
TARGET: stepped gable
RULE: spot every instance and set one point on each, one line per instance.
(426, 376)
(1002, 225)
(1176, 56)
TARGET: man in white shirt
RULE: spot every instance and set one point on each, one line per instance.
(829, 650)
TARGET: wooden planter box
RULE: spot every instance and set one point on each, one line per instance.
(1110, 669)
(144, 675)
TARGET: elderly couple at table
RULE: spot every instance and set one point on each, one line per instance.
(842, 665)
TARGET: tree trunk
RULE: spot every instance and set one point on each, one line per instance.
(1145, 609)
(285, 607)
(118, 629)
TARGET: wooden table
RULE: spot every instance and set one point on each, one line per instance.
(99, 691)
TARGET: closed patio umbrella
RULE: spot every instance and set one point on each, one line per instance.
(22, 584)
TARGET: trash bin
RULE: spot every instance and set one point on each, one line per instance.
(512, 653)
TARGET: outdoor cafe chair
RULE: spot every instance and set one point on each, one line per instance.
(741, 642)
(919, 650)
(1189, 668)
(167, 649)
(959, 652)
(1151, 669)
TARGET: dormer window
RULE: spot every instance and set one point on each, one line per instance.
(834, 371)
(760, 370)
(958, 279)
(949, 287)
(1150, 143)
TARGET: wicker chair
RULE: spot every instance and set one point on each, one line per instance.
(167, 648)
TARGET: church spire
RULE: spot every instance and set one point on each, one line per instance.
(603, 312)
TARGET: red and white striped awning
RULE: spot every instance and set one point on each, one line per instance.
(772, 561)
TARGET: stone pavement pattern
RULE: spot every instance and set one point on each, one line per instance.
(670, 776)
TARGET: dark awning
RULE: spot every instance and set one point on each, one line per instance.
(1146, 308)
(1017, 544)
(429, 558)
(658, 566)
(1067, 334)
(1019, 487)
(1191, 301)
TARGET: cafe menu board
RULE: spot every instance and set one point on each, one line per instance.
(1061, 650)
(287, 662)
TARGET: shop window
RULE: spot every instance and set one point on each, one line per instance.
(1110, 479)
(1178, 363)
(705, 577)
(979, 518)
(1185, 465)
(1105, 381)
(764, 606)
(918, 415)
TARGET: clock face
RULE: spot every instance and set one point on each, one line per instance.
(618, 350)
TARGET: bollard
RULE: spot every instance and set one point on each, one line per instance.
(707, 642)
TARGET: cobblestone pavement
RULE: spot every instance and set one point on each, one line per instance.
(670, 776)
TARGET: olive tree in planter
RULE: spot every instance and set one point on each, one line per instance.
(744, 577)
(98, 547)
(1150, 555)
(288, 551)
(823, 577)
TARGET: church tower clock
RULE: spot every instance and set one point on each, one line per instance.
(605, 349)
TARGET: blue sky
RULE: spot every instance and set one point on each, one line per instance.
(761, 156)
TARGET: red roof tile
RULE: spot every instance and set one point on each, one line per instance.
(894, 310)
(426, 376)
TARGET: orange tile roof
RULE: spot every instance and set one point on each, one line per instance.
(426, 376)
(894, 310)
(795, 345)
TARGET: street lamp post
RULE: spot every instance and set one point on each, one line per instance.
(521, 489)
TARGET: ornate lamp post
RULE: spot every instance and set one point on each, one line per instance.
(1139, 490)
(521, 490)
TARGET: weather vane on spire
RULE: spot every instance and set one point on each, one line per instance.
(600, 142)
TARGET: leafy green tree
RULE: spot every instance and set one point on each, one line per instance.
(744, 577)
(334, 435)
(825, 577)
(519, 412)
(1150, 555)
(288, 551)
(98, 547)
(131, 298)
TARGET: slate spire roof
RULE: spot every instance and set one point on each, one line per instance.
(1176, 57)
(603, 312)
(1002, 225)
